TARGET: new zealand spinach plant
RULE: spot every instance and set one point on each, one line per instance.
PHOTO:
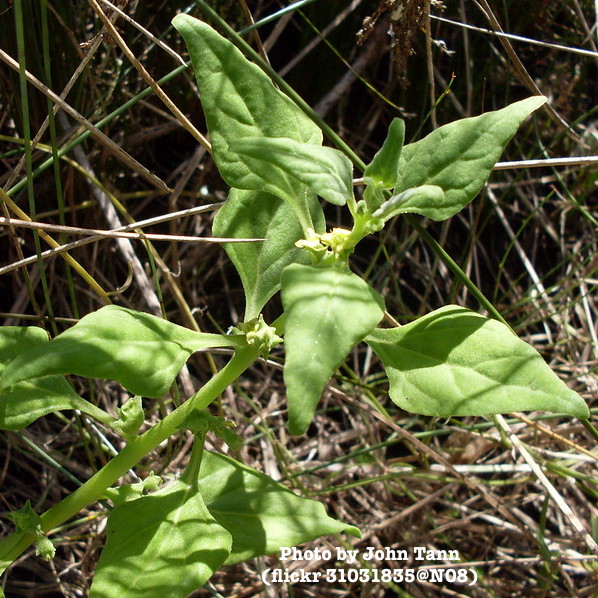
(168, 539)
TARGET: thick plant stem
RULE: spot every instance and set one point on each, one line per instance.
(12, 546)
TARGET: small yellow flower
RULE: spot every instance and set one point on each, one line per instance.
(312, 242)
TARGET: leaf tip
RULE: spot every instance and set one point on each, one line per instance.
(577, 407)
(297, 426)
(353, 531)
(181, 19)
(534, 102)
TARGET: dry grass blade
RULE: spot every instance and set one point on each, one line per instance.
(521, 70)
(558, 499)
(143, 30)
(112, 147)
(519, 38)
(54, 244)
(515, 497)
(149, 79)
(541, 163)
(115, 234)
(96, 237)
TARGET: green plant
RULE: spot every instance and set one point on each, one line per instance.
(450, 362)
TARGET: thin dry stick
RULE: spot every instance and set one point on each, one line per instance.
(572, 161)
(90, 51)
(528, 266)
(390, 522)
(52, 243)
(314, 42)
(148, 78)
(546, 162)
(81, 242)
(521, 70)
(467, 480)
(280, 26)
(407, 512)
(140, 275)
(191, 167)
(430, 64)
(370, 53)
(147, 33)
(19, 251)
(112, 147)
(75, 230)
(254, 32)
(584, 24)
(518, 38)
(582, 558)
(565, 554)
(588, 313)
(558, 499)
(125, 246)
(558, 437)
(468, 61)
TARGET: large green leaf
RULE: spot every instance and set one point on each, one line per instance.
(261, 515)
(143, 352)
(328, 311)
(166, 544)
(285, 164)
(459, 157)
(239, 100)
(251, 214)
(170, 542)
(453, 361)
(27, 401)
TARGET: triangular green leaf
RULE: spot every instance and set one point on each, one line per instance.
(251, 214)
(143, 352)
(27, 401)
(454, 361)
(328, 311)
(239, 100)
(261, 515)
(285, 164)
(163, 544)
(459, 157)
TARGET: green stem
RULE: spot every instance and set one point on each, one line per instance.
(191, 474)
(12, 546)
(359, 231)
(277, 15)
(587, 424)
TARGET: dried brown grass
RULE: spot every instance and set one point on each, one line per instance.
(407, 481)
